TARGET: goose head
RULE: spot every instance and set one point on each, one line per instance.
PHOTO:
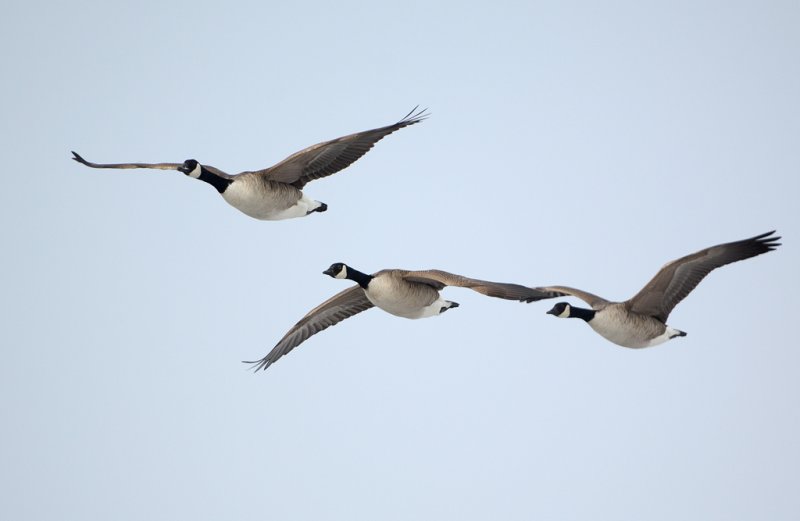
(338, 270)
(190, 167)
(560, 310)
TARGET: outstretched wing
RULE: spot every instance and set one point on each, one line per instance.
(439, 279)
(594, 301)
(324, 159)
(159, 166)
(678, 278)
(343, 305)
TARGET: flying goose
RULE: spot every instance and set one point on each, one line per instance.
(408, 294)
(274, 193)
(641, 320)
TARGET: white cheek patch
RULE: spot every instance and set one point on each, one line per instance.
(342, 273)
(196, 172)
(565, 313)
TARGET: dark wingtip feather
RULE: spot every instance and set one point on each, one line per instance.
(414, 116)
(765, 240)
(258, 365)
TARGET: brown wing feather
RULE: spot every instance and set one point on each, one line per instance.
(159, 166)
(593, 300)
(678, 278)
(343, 305)
(439, 279)
(329, 157)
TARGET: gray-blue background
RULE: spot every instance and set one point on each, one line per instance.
(578, 143)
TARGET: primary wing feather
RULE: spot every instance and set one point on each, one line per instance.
(343, 305)
(329, 157)
(678, 278)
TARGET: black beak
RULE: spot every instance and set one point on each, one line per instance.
(183, 169)
(329, 272)
(552, 311)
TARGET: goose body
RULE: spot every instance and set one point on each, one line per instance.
(275, 193)
(618, 324)
(641, 321)
(403, 293)
(268, 200)
(391, 292)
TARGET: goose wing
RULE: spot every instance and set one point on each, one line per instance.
(439, 279)
(593, 300)
(158, 166)
(678, 278)
(324, 159)
(343, 305)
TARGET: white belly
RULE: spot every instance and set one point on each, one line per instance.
(668, 334)
(266, 205)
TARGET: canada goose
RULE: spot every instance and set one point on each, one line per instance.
(274, 193)
(408, 294)
(641, 320)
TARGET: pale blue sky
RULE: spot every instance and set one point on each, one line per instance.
(576, 143)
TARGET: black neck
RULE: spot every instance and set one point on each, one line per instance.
(585, 314)
(362, 278)
(217, 181)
